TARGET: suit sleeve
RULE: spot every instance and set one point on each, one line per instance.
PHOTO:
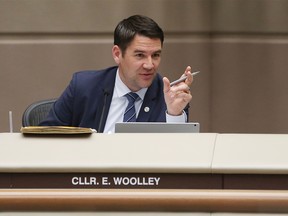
(61, 113)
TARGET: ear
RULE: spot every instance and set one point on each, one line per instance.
(116, 53)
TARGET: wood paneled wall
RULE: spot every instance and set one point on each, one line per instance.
(240, 46)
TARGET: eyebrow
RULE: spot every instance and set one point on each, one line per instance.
(141, 51)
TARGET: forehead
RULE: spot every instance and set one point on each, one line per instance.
(145, 44)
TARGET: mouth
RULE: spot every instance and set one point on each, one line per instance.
(147, 76)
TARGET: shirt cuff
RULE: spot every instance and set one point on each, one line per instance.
(176, 119)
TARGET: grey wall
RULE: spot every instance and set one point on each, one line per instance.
(240, 46)
(249, 66)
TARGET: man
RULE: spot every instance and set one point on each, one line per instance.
(96, 99)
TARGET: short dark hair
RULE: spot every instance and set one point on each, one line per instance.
(128, 28)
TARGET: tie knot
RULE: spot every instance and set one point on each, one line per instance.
(132, 97)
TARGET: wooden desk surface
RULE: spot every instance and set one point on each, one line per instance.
(145, 200)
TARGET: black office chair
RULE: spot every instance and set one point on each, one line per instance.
(36, 112)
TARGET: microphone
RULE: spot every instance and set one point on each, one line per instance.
(101, 126)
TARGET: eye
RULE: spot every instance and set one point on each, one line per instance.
(139, 54)
(156, 55)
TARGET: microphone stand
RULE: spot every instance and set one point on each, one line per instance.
(101, 126)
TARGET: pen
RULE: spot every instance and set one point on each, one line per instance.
(182, 79)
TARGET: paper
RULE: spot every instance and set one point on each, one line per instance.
(56, 130)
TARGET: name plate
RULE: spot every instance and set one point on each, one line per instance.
(144, 181)
(116, 180)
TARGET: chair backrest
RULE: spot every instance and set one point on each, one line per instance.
(36, 112)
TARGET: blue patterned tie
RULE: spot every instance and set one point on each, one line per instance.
(130, 112)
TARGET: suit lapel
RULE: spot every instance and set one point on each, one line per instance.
(149, 102)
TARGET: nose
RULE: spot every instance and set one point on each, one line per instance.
(148, 64)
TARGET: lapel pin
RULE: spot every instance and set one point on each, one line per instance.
(146, 109)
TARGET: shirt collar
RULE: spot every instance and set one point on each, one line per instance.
(121, 89)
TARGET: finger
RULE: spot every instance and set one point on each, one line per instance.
(185, 96)
(166, 85)
(188, 69)
(180, 87)
(188, 73)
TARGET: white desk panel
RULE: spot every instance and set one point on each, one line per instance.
(251, 153)
(186, 153)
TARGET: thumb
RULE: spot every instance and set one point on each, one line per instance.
(166, 85)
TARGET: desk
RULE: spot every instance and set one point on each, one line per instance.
(252, 161)
(108, 161)
(176, 168)
(155, 161)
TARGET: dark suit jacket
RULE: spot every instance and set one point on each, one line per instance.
(86, 101)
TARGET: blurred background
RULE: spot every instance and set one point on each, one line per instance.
(240, 47)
